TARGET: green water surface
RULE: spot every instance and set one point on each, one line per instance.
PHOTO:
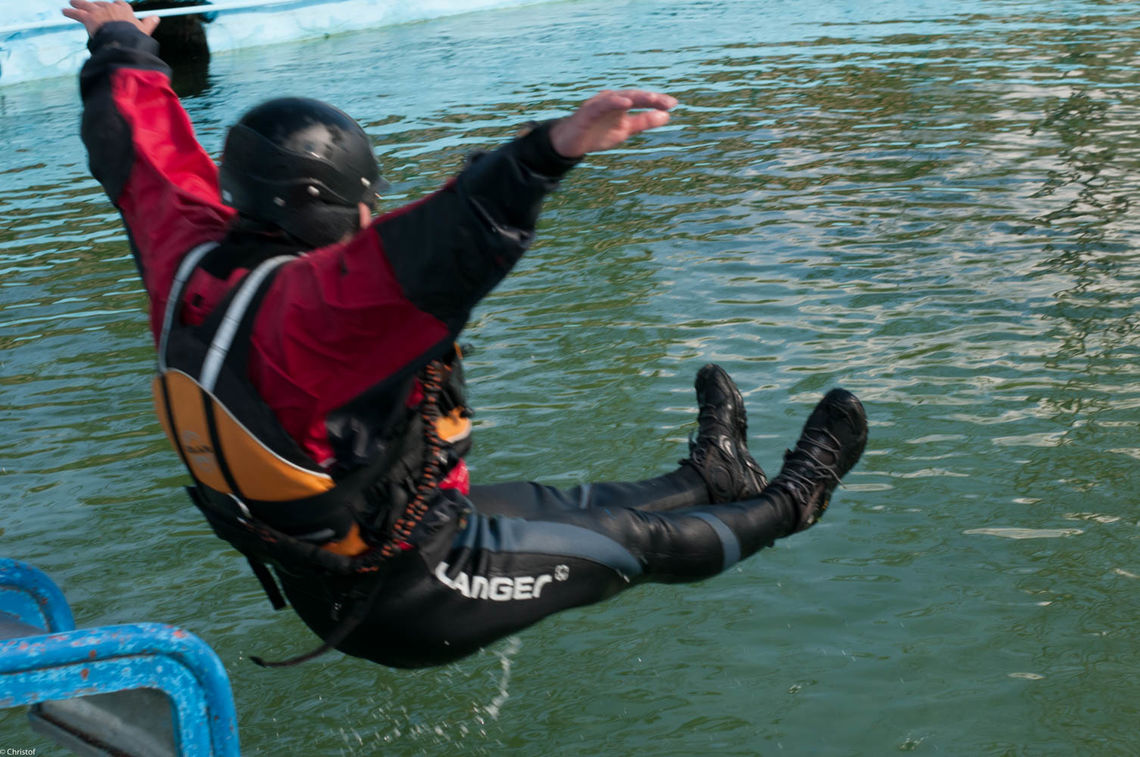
(932, 204)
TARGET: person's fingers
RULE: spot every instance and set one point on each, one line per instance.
(94, 15)
(645, 99)
(605, 121)
(78, 10)
(601, 104)
(81, 11)
(608, 105)
(649, 119)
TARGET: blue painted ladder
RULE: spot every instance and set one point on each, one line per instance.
(143, 689)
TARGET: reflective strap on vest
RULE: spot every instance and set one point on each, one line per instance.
(181, 278)
(224, 337)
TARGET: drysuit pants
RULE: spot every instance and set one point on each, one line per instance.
(491, 563)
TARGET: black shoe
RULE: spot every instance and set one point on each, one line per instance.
(831, 443)
(719, 452)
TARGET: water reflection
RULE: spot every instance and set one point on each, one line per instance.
(928, 204)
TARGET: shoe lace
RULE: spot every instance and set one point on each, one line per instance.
(804, 469)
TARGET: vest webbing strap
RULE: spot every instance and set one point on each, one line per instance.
(268, 584)
(224, 337)
(212, 426)
(177, 289)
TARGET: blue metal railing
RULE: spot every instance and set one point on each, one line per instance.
(45, 659)
(31, 596)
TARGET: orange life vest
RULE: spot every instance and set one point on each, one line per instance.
(254, 483)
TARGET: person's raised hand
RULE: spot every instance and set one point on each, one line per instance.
(94, 14)
(604, 121)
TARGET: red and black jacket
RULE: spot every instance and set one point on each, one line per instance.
(342, 332)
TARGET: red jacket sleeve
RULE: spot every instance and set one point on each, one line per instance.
(142, 149)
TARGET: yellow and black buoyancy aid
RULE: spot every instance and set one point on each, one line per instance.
(253, 482)
(257, 488)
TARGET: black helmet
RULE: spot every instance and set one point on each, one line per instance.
(301, 165)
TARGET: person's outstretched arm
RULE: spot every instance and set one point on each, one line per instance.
(409, 282)
(451, 249)
(141, 146)
(369, 312)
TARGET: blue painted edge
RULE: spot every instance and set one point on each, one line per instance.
(54, 612)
